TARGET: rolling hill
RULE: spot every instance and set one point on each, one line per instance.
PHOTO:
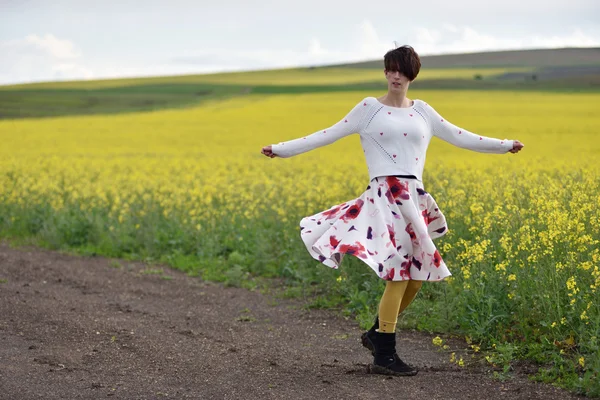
(566, 69)
(538, 58)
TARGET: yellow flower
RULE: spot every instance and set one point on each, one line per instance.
(586, 265)
(512, 277)
(501, 267)
(582, 362)
(437, 341)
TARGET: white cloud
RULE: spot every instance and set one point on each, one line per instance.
(367, 44)
(576, 38)
(453, 39)
(315, 48)
(48, 45)
(450, 28)
(35, 58)
(65, 71)
(370, 46)
(57, 48)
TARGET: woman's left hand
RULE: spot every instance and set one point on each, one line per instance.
(517, 146)
(268, 151)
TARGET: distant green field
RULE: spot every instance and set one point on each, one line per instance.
(296, 76)
(149, 94)
(537, 70)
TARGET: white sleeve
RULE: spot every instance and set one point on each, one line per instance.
(462, 138)
(346, 126)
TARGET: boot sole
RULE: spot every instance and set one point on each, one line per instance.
(376, 369)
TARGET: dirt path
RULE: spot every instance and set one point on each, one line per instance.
(82, 328)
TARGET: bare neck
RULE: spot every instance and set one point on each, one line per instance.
(396, 99)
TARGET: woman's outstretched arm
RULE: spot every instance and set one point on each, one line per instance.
(346, 126)
(467, 140)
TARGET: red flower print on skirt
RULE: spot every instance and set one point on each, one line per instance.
(397, 189)
(437, 259)
(356, 249)
(332, 212)
(405, 269)
(427, 217)
(353, 211)
(392, 234)
(390, 275)
(333, 241)
(411, 232)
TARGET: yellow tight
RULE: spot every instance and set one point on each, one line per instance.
(396, 297)
(409, 295)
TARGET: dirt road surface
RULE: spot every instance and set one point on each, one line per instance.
(93, 328)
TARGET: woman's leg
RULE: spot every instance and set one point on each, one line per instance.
(409, 295)
(389, 305)
(382, 342)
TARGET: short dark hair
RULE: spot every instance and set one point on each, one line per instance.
(403, 59)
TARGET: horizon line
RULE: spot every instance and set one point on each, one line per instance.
(424, 56)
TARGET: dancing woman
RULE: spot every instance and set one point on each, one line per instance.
(391, 226)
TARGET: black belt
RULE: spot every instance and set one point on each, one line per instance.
(406, 176)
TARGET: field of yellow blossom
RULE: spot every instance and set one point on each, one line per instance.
(189, 187)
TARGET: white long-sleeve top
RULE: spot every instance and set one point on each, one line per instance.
(394, 139)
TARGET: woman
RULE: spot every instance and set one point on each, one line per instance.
(391, 226)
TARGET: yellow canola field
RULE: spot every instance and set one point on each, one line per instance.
(201, 152)
(524, 228)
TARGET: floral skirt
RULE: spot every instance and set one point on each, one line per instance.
(391, 227)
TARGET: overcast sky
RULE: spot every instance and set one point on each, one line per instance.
(80, 39)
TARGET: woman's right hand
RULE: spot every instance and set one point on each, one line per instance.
(517, 146)
(268, 151)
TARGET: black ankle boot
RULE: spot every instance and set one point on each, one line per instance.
(366, 337)
(386, 360)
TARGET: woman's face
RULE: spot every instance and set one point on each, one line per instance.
(396, 80)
